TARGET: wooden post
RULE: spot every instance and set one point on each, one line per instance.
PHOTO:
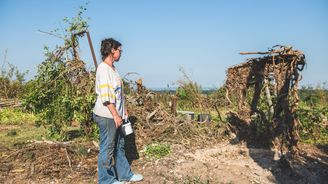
(91, 48)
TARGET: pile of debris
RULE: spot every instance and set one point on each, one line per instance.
(265, 91)
(10, 103)
(43, 161)
(155, 119)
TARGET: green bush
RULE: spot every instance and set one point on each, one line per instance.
(10, 116)
(189, 93)
(313, 123)
(314, 96)
(11, 82)
(157, 150)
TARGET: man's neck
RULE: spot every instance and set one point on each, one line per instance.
(110, 62)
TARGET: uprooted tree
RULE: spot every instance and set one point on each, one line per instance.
(265, 91)
(63, 89)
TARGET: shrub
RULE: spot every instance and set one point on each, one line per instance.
(157, 150)
(313, 123)
(11, 82)
(15, 117)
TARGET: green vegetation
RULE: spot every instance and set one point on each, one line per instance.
(63, 90)
(15, 136)
(12, 132)
(10, 116)
(189, 93)
(313, 115)
(314, 96)
(195, 180)
(18, 128)
(157, 150)
(11, 82)
(313, 124)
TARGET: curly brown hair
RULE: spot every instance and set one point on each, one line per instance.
(107, 45)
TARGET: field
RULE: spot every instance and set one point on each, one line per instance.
(259, 127)
(47, 162)
(29, 155)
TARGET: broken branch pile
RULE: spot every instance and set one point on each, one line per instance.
(265, 92)
(154, 121)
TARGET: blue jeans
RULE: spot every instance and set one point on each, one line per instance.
(111, 144)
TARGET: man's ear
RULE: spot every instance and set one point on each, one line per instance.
(112, 51)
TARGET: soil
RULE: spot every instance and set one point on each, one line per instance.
(224, 162)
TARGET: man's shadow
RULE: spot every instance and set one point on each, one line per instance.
(131, 150)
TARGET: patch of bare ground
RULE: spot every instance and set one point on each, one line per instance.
(235, 163)
(220, 163)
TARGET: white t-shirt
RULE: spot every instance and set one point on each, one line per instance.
(109, 88)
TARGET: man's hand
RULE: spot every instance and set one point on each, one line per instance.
(118, 121)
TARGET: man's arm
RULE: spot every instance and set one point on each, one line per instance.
(118, 119)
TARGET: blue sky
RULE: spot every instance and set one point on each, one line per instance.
(202, 36)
